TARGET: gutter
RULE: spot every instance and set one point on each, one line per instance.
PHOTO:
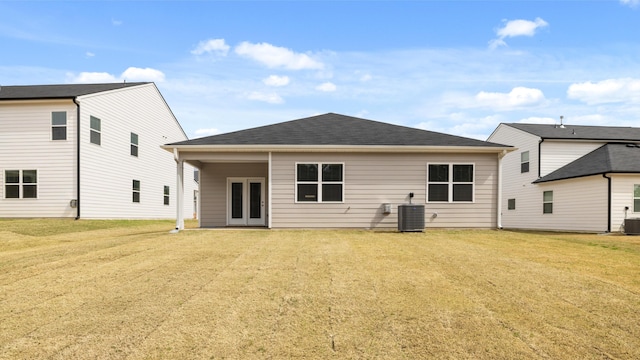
(75, 100)
(608, 202)
(338, 148)
(540, 156)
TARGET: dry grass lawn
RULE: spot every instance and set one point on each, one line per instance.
(131, 290)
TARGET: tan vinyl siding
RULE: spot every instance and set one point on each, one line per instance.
(372, 180)
(25, 144)
(107, 171)
(213, 184)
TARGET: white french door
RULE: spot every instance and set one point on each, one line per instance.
(245, 202)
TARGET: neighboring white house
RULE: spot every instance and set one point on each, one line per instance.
(336, 171)
(567, 177)
(107, 165)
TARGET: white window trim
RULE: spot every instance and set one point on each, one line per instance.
(527, 162)
(547, 202)
(136, 145)
(318, 183)
(94, 130)
(139, 191)
(166, 196)
(20, 185)
(450, 184)
(633, 199)
(66, 123)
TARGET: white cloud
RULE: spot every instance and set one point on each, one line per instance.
(131, 74)
(275, 80)
(539, 120)
(274, 56)
(89, 54)
(206, 132)
(115, 22)
(326, 87)
(365, 77)
(515, 28)
(606, 91)
(631, 3)
(211, 46)
(517, 97)
(146, 74)
(271, 98)
(93, 77)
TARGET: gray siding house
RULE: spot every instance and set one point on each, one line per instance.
(570, 177)
(88, 151)
(336, 171)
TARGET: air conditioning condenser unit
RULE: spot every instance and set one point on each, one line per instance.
(410, 217)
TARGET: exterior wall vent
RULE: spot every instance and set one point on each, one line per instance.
(632, 226)
(410, 218)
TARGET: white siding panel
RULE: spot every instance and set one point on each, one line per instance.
(108, 170)
(621, 197)
(25, 143)
(517, 185)
(556, 154)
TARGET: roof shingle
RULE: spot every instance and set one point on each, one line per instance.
(609, 158)
(63, 91)
(336, 129)
(580, 132)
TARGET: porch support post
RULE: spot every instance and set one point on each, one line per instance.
(179, 191)
(499, 204)
(269, 197)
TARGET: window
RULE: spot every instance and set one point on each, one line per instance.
(95, 132)
(450, 183)
(136, 191)
(547, 202)
(134, 144)
(511, 204)
(166, 195)
(59, 125)
(636, 198)
(524, 162)
(318, 182)
(21, 184)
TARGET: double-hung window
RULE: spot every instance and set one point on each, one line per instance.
(636, 198)
(21, 184)
(136, 191)
(95, 132)
(59, 125)
(319, 182)
(524, 162)
(450, 182)
(547, 202)
(134, 144)
(166, 195)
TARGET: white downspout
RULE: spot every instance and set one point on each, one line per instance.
(269, 190)
(500, 157)
(179, 191)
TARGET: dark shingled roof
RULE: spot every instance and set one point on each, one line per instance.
(66, 91)
(577, 132)
(336, 129)
(609, 158)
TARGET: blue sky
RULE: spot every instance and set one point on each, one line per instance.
(459, 67)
